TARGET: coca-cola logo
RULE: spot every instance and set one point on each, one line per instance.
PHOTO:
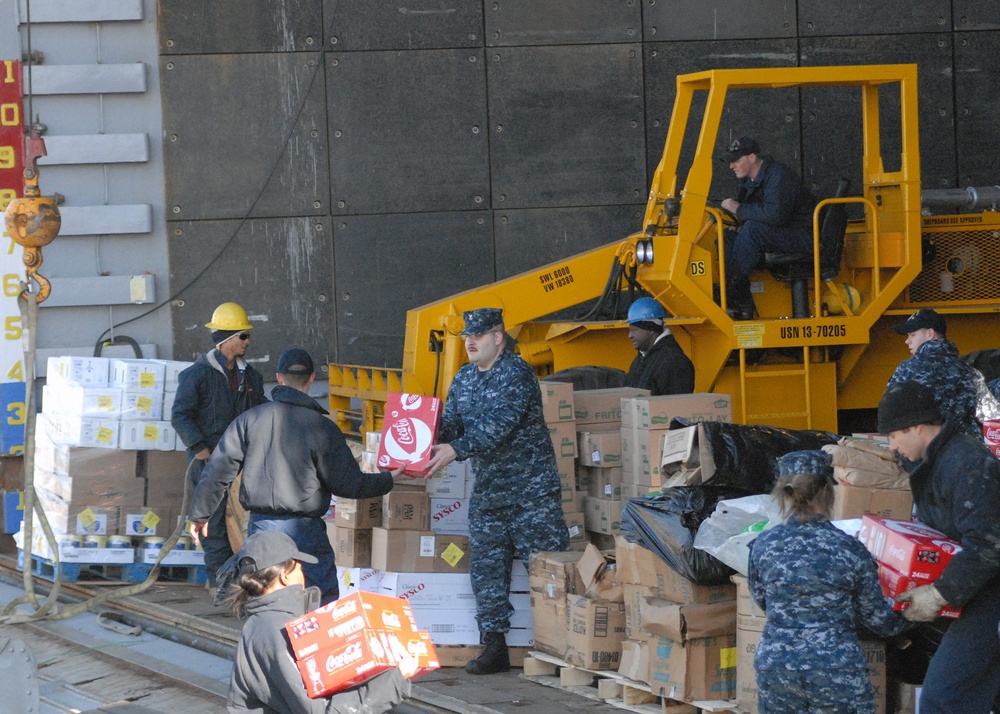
(343, 609)
(410, 402)
(404, 432)
(993, 433)
(351, 654)
(406, 440)
(391, 619)
(346, 628)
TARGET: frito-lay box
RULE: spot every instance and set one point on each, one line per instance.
(409, 429)
(894, 583)
(356, 658)
(910, 548)
(328, 625)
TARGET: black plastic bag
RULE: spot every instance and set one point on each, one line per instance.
(667, 526)
(745, 455)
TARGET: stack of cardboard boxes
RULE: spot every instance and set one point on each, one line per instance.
(107, 462)
(559, 410)
(599, 472)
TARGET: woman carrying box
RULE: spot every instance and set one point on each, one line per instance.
(816, 584)
(268, 589)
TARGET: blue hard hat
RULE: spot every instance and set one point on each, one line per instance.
(645, 309)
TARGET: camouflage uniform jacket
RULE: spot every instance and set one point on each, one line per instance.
(936, 365)
(495, 418)
(956, 489)
(816, 585)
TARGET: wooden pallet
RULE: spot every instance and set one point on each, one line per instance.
(119, 572)
(610, 687)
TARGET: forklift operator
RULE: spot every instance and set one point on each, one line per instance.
(775, 212)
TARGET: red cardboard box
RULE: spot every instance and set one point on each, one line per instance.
(408, 432)
(894, 583)
(328, 625)
(908, 547)
(358, 657)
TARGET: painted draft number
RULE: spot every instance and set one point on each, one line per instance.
(810, 331)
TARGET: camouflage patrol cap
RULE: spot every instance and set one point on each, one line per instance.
(811, 462)
(481, 321)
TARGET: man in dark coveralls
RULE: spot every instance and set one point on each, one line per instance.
(661, 365)
(493, 415)
(775, 214)
(956, 489)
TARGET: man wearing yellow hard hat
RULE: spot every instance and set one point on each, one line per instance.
(217, 388)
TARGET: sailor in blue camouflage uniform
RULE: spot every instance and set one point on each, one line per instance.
(493, 415)
(816, 584)
(936, 364)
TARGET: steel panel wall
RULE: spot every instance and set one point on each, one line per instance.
(402, 24)
(279, 269)
(717, 20)
(417, 144)
(977, 106)
(245, 133)
(530, 22)
(566, 125)
(239, 26)
(975, 14)
(873, 17)
(388, 264)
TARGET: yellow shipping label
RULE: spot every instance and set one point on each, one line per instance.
(452, 554)
(150, 433)
(147, 379)
(727, 657)
(150, 520)
(105, 435)
(144, 404)
(105, 403)
(87, 517)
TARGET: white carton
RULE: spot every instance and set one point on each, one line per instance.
(458, 627)
(450, 516)
(141, 404)
(84, 371)
(168, 405)
(87, 431)
(452, 482)
(171, 371)
(66, 398)
(174, 557)
(147, 436)
(352, 580)
(137, 374)
(447, 590)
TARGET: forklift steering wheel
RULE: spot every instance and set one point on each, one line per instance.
(729, 218)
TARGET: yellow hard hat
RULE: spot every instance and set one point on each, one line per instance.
(229, 316)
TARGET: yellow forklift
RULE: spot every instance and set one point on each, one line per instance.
(822, 338)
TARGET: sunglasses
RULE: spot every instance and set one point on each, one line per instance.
(244, 336)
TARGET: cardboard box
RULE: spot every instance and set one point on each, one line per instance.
(576, 525)
(96, 432)
(446, 591)
(80, 519)
(311, 632)
(894, 583)
(563, 434)
(553, 574)
(165, 473)
(676, 621)
(406, 510)
(73, 399)
(557, 401)
(134, 374)
(352, 580)
(908, 547)
(635, 660)
(409, 429)
(600, 448)
(603, 406)
(991, 432)
(602, 515)
(459, 627)
(83, 371)
(359, 513)
(419, 551)
(450, 516)
(596, 632)
(352, 547)
(452, 482)
(638, 565)
(856, 501)
(703, 668)
(646, 412)
(602, 482)
(141, 405)
(550, 624)
(171, 372)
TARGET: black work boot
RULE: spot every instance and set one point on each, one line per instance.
(494, 657)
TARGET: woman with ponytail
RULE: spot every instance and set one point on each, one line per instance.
(817, 585)
(267, 588)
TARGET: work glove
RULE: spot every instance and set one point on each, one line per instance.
(925, 602)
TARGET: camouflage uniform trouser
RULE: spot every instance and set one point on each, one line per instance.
(830, 691)
(496, 535)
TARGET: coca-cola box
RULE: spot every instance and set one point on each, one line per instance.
(910, 548)
(332, 622)
(991, 432)
(409, 429)
(894, 583)
(356, 658)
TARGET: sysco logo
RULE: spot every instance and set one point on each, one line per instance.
(447, 511)
(413, 591)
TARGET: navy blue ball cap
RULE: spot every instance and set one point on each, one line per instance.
(295, 360)
(481, 321)
(811, 462)
(744, 146)
(922, 319)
